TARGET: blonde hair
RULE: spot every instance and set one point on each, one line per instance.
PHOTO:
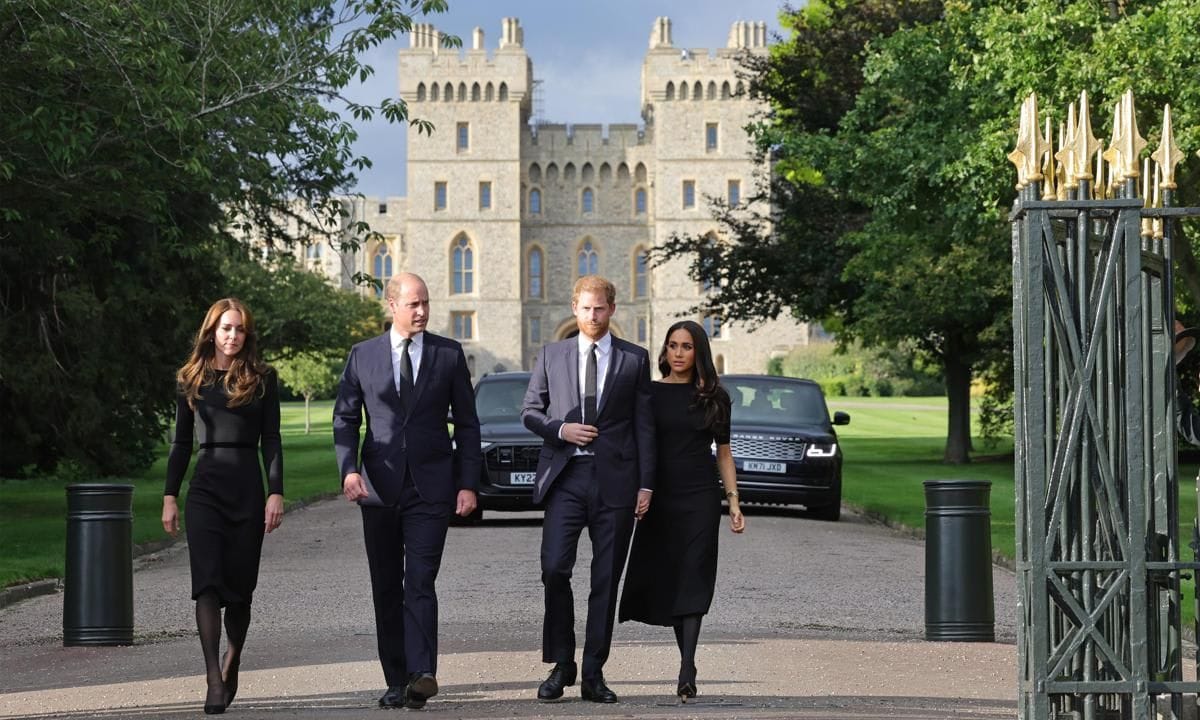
(594, 284)
(245, 375)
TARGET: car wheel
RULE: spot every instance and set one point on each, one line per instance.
(831, 512)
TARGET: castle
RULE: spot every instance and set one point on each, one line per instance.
(502, 216)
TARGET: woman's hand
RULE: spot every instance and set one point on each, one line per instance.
(273, 516)
(170, 515)
(737, 521)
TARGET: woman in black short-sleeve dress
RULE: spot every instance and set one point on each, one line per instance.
(230, 401)
(673, 562)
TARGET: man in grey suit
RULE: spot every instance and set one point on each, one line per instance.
(589, 399)
(405, 479)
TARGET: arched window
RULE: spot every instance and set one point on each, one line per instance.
(587, 174)
(587, 201)
(639, 201)
(420, 92)
(605, 173)
(382, 267)
(534, 272)
(535, 173)
(448, 93)
(433, 92)
(697, 91)
(639, 173)
(725, 90)
(670, 90)
(476, 93)
(683, 90)
(503, 92)
(641, 279)
(462, 92)
(622, 173)
(552, 173)
(589, 260)
(569, 172)
(462, 267)
(739, 89)
(489, 92)
(535, 202)
(712, 90)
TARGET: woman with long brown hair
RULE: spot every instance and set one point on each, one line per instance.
(673, 562)
(229, 399)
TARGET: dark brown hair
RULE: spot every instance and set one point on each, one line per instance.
(244, 376)
(708, 393)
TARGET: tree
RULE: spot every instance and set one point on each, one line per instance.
(309, 375)
(131, 133)
(896, 171)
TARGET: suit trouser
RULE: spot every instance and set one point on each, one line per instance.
(404, 551)
(574, 504)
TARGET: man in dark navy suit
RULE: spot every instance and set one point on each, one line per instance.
(589, 399)
(407, 380)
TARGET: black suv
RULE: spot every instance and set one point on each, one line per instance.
(510, 451)
(784, 444)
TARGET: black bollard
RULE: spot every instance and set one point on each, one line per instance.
(958, 561)
(98, 587)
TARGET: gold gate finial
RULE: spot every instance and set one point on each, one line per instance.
(1168, 154)
(1084, 143)
(1132, 143)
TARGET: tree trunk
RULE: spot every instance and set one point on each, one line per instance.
(958, 392)
(307, 398)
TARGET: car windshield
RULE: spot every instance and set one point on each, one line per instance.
(500, 400)
(766, 402)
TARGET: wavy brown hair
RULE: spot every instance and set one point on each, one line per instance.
(708, 393)
(244, 377)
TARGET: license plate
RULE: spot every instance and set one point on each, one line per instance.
(756, 466)
(521, 478)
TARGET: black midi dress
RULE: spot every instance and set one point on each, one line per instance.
(225, 499)
(673, 562)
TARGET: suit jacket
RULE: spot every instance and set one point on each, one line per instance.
(414, 437)
(624, 449)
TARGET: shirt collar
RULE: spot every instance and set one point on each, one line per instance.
(417, 340)
(603, 345)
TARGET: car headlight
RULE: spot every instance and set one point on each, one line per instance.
(485, 444)
(821, 450)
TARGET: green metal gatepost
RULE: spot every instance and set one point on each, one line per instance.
(1098, 555)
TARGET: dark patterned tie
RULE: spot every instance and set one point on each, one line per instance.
(406, 372)
(589, 388)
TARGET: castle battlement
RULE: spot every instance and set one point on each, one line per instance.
(584, 135)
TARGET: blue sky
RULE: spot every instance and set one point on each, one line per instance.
(588, 53)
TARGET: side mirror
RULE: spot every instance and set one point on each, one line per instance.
(841, 418)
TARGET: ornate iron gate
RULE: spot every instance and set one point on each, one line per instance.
(1098, 557)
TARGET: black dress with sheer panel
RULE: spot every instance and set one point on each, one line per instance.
(673, 562)
(223, 514)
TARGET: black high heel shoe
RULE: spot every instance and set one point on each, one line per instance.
(229, 677)
(215, 708)
(687, 684)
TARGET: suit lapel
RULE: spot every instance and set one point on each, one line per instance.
(425, 374)
(615, 357)
(571, 358)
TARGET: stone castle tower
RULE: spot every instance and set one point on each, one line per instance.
(502, 215)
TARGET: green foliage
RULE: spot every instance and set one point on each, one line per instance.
(855, 370)
(137, 139)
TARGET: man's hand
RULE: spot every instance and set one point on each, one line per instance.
(643, 504)
(579, 434)
(466, 503)
(354, 488)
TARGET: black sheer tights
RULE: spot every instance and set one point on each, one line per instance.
(208, 623)
(687, 636)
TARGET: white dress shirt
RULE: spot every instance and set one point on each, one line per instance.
(603, 353)
(414, 354)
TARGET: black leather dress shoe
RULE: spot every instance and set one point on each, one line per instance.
(421, 687)
(551, 689)
(597, 691)
(393, 698)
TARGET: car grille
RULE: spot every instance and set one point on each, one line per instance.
(764, 448)
(512, 458)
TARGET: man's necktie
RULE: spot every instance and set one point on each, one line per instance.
(589, 389)
(406, 372)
